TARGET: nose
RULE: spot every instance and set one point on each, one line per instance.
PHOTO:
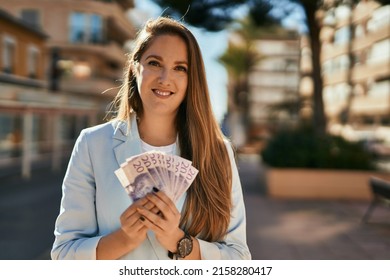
(164, 78)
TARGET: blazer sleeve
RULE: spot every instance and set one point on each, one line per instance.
(76, 226)
(234, 246)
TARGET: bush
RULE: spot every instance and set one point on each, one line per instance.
(303, 149)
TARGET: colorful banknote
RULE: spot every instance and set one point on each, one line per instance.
(169, 173)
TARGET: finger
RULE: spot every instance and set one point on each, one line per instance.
(130, 221)
(150, 220)
(132, 208)
(164, 203)
(156, 211)
(130, 218)
(133, 229)
(150, 225)
(149, 205)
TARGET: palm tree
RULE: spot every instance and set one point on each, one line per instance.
(239, 59)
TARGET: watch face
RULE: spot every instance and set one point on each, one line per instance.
(185, 247)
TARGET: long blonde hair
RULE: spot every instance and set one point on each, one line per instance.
(208, 204)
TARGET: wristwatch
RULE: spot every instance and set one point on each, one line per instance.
(184, 247)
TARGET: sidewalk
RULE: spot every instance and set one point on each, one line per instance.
(293, 229)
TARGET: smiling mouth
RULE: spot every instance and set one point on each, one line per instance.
(162, 93)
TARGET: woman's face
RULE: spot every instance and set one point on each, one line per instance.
(162, 75)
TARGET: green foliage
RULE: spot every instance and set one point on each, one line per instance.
(239, 60)
(216, 15)
(302, 148)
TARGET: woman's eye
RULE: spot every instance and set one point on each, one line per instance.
(153, 63)
(182, 68)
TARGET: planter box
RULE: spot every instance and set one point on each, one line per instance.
(320, 184)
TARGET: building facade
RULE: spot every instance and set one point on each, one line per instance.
(356, 70)
(270, 95)
(274, 83)
(59, 60)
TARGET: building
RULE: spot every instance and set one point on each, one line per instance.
(57, 59)
(356, 70)
(274, 83)
(265, 95)
(86, 39)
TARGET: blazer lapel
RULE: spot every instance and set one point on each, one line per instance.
(126, 141)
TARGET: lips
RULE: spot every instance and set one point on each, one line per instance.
(162, 93)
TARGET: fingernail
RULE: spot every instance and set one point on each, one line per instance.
(142, 218)
(155, 189)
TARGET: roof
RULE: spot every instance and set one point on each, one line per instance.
(18, 22)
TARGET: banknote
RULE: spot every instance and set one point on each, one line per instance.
(170, 173)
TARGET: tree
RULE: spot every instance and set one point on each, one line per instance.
(239, 59)
(212, 15)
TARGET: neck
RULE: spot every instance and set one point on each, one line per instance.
(157, 131)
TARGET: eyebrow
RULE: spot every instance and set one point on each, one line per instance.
(161, 59)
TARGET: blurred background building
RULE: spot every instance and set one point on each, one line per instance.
(269, 92)
(57, 59)
(274, 81)
(356, 69)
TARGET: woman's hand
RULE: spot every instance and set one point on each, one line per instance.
(165, 222)
(131, 225)
(129, 236)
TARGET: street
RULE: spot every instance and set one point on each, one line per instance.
(27, 214)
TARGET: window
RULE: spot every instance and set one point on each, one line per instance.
(343, 62)
(379, 52)
(379, 19)
(380, 90)
(327, 67)
(32, 61)
(11, 136)
(96, 29)
(356, 59)
(9, 53)
(291, 65)
(342, 35)
(359, 31)
(78, 25)
(31, 17)
(342, 12)
(86, 28)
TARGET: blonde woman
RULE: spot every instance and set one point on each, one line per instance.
(163, 105)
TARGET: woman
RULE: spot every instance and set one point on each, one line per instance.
(163, 105)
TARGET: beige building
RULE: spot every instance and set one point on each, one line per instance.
(22, 49)
(57, 58)
(274, 81)
(88, 36)
(268, 95)
(356, 70)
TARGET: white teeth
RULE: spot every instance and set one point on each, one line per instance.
(163, 93)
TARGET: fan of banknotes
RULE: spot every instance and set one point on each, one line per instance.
(170, 173)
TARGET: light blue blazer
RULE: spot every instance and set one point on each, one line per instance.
(93, 200)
